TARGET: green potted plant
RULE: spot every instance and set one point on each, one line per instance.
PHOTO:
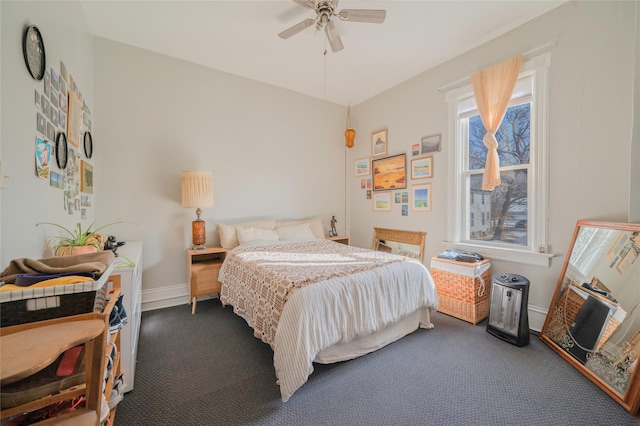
(78, 240)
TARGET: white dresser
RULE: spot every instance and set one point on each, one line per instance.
(128, 265)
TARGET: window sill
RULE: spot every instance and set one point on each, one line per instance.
(516, 256)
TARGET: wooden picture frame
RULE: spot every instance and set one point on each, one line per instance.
(389, 173)
(380, 143)
(382, 201)
(362, 167)
(74, 118)
(430, 144)
(422, 168)
(421, 198)
(86, 177)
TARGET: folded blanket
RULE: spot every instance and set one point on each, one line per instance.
(26, 280)
(96, 263)
(70, 279)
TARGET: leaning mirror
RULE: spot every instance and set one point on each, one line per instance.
(406, 243)
(594, 320)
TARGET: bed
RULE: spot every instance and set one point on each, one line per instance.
(314, 300)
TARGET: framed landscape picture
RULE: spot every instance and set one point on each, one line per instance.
(421, 198)
(389, 173)
(430, 144)
(422, 168)
(379, 143)
(362, 167)
(382, 202)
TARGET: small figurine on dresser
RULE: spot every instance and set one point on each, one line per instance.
(333, 232)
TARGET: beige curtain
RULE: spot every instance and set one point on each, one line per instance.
(492, 89)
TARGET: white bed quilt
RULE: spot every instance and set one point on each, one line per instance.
(336, 310)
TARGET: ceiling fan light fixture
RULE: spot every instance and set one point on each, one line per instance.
(324, 11)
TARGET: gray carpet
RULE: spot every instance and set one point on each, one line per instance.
(208, 369)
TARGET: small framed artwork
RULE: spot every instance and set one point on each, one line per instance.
(86, 177)
(430, 144)
(405, 210)
(363, 167)
(421, 198)
(379, 143)
(389, 173)
(617, 247)
(422, 168)
(629, 258)
(43, 158)
(382, 202)
(74, 119)
(415, 149)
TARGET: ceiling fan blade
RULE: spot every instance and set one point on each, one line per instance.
(334, 37)
(363, 15)
(306, 3)
(296, 28)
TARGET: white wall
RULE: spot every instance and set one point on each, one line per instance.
(591, 80)
(272, 152)
(29, 199)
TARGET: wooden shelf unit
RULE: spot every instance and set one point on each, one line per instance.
(203, 267)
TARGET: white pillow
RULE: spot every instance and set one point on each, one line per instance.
(295, 232)
(229, 237)
(252, 234)
(315, 223)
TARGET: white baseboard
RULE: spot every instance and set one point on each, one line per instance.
(166, 297)
(537, 316)
(179, 295)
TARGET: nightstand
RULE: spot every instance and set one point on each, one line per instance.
(339, 239)
(203, 267)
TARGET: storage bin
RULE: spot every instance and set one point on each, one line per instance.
(45, 303)
(463, 288)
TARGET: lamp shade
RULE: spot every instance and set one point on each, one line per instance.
(197, 189)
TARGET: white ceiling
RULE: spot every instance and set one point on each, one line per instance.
(240, 37)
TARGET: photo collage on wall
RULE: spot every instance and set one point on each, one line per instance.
(384, 178)
(63, 143)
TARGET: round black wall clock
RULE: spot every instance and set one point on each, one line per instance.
(88, 144)
(33, 51)
(61, 150)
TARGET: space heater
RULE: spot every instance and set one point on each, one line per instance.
(508, 318)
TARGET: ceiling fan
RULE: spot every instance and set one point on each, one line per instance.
(325, 9)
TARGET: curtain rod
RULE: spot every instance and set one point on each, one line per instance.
(526, 55)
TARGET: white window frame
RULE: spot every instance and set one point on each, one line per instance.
(536, 252)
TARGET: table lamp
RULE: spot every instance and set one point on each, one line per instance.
(197, 191)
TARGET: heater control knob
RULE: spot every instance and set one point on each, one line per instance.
(514, 279)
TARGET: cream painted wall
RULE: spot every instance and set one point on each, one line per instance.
(591, 80)
(272, 152)
(28, 200)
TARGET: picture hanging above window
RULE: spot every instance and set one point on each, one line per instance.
(389, 173)
(430, 144)
(379, 143)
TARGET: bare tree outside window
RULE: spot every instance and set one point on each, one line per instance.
(507, 213)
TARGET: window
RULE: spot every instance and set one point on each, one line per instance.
(514, 216)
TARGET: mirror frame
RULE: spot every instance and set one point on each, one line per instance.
(408, 237)
(630, 400)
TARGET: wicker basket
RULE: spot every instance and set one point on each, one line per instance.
(463, 288)
(45, 303)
